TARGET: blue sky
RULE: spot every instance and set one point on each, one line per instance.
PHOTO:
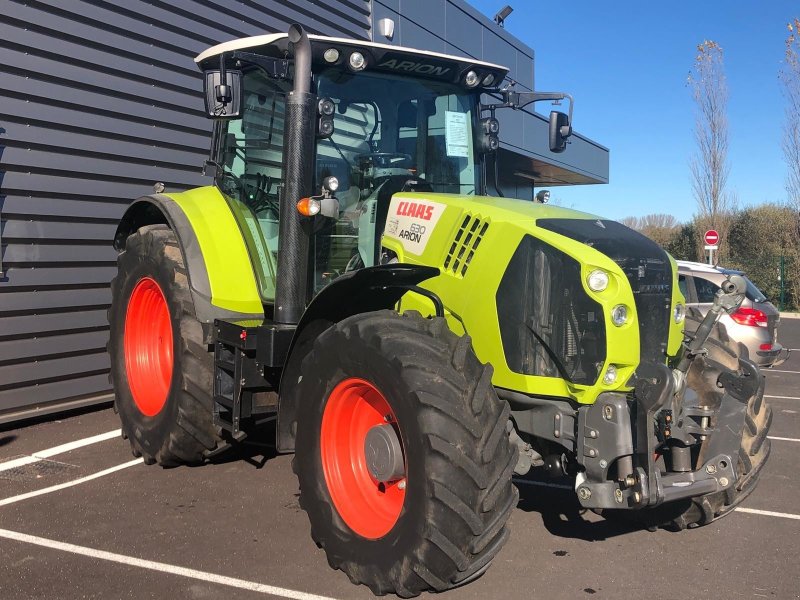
(626, 64)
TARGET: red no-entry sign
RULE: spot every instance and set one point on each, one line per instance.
(711, 237)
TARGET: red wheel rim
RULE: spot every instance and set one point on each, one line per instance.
(148, 346)
(368, 507)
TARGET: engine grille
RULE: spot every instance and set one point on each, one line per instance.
(465, 244)
(549, 326)
(646, 266)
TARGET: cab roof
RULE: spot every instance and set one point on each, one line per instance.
(385, 57)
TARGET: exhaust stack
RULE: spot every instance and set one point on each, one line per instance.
(291, 289)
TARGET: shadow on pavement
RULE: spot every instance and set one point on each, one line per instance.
(563, 516)
(256, 449)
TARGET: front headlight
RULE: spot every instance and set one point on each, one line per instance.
(679, 313)
(619, 315)
(597, 280)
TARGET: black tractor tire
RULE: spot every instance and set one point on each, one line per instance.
(458, 458)
(182, 430)
(723, 355)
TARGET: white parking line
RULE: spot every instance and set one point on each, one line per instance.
(42, 454)
(777, 371)
(162, 567)
(783, 439)
(61, 486)
(782, 397)
(768, 513)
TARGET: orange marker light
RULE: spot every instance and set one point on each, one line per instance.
(308, 207)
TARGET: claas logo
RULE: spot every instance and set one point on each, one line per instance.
(416, 210)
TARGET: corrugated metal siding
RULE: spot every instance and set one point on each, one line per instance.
(100, 99)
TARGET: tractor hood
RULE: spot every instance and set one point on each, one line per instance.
(518, 272)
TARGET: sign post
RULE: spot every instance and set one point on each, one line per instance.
(711, 238)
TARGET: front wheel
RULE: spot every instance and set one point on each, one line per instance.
(402, 454)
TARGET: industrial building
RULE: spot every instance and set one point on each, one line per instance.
(101, 99)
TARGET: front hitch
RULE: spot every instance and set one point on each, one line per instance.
(665, 414)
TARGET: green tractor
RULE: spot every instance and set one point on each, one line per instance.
(415, 341)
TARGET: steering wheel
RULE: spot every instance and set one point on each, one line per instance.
(379, 157)
(257, 196)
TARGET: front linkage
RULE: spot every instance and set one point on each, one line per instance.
(664, 442)
(667, 416)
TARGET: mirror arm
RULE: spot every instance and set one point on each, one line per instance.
(222, 93)
(518, 100)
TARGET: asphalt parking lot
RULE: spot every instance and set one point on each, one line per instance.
(81, 518)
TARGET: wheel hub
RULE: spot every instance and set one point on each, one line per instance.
(383, 453)
(362, 458)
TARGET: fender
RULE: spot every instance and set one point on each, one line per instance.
(221, 276)
(365, 290)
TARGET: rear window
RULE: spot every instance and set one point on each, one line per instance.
(753, 293)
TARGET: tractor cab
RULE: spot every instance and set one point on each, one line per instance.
(385, 120)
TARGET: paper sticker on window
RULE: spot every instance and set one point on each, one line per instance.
(456, 134)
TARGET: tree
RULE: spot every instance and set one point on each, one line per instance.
(683, 245)
(790, 80)
(709, 166)
(758, 237)
(660, 228)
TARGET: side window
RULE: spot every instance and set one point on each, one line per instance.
(250, 172)
(706, 290)
(683, 287)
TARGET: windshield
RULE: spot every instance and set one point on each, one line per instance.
(385, 125)
(390, 134)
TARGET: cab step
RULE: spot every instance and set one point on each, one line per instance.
(247, 355)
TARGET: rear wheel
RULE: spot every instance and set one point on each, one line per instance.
(160, 368)
(402, 454)
(723, 355)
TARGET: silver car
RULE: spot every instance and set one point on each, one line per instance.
(755, 322)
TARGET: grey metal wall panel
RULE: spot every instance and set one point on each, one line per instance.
(86, 386)
(28, 325)
(100, 99)
(464, 34)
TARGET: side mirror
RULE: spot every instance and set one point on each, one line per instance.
(223, 98)
(560, 130)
